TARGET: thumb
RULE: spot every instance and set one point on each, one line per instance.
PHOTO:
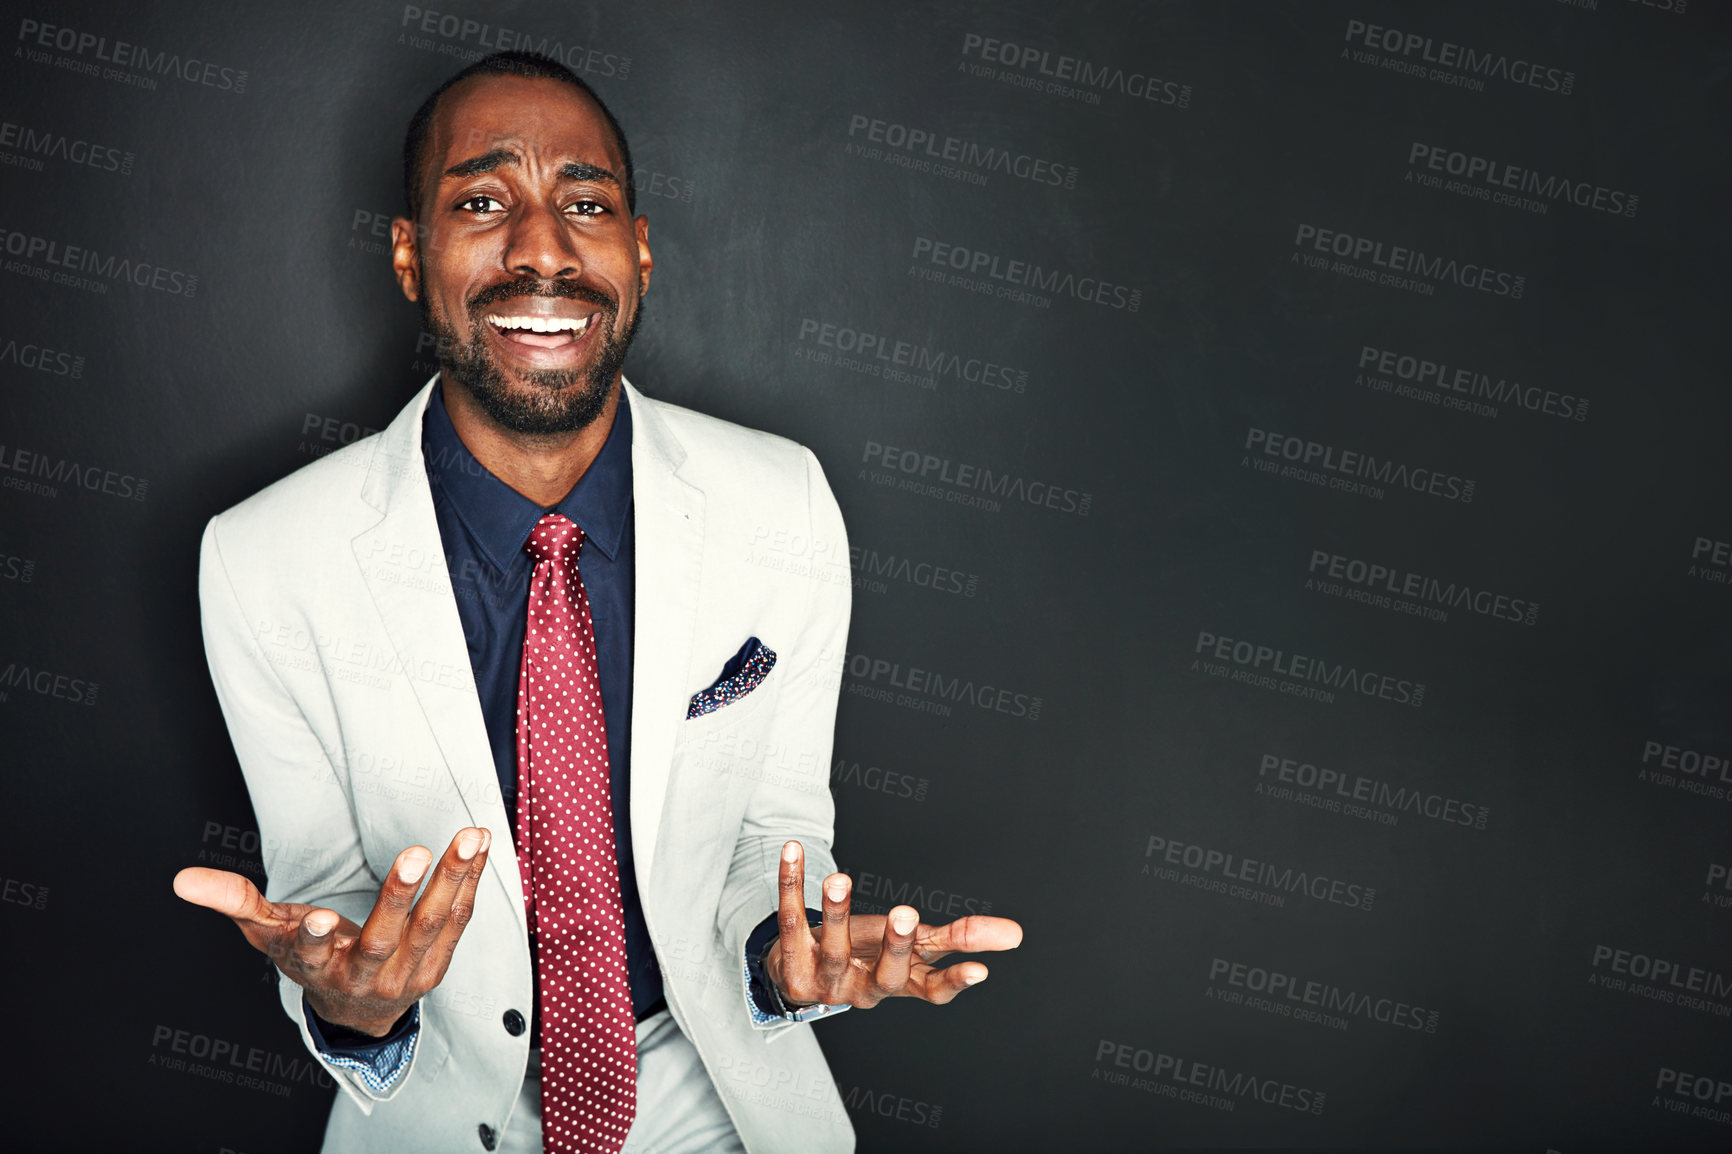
(227, 893)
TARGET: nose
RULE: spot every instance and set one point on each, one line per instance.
(539, 244)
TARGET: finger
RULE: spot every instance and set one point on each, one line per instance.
(462, 909)
(262, 923)
(314, 940)
(792, 933)
(834, 946)
(891, 974)
(383, 931)
(974, 934)
(939, 986)
(433, 912)
(227, 893)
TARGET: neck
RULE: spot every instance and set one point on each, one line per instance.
(544, 467)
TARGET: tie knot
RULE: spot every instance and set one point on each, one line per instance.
(555, 538)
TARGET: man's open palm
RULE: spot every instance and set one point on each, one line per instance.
(861, 959)
(362, 977)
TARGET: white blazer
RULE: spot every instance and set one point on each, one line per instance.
(331, 627)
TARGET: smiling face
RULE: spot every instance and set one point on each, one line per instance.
(526, 262)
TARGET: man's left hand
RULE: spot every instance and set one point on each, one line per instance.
(861, 959)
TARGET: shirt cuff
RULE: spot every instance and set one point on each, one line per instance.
(379, 1061)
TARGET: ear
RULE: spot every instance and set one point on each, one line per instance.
(405, 257)
(645, 262)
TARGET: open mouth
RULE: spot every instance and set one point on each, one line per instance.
(541, 332)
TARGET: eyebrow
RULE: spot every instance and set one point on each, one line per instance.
(488, 161)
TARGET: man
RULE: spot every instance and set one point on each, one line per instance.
(638, 904)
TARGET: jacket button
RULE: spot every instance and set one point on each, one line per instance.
(489, 1139)
(513, 1023)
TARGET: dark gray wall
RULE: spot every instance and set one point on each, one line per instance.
(1284, 452)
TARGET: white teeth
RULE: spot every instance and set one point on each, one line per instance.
(540, 324)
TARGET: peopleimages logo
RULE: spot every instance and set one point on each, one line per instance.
(235, 1063)
(1389, 586)
(1198, 1083)
(1289, 779)
(1217, 869)
(41, 359)
(1718, 886)
(885, 355)
(17, 892)
(1353, 471)
(458, 33)
(67, 687)
(928, 691)
(901, 1107)
(915, 146)
(52, 471)
(1695, 771)
(16, 568)
(35, 251)
(1027, 66)
(1297, 674)
(293, 646)
(1016, 279)
(1411, 53)
(1455, 387)
(960, 483)
(882, 891)
(872, 569)
(1662, 980)
(33, 145)
(1509, 184)
(1305, 999)
(1711, 561)
(1398, 266)
(1703, 1096)
(131, 63)
(876, 779)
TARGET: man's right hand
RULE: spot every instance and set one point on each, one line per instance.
(362, 977)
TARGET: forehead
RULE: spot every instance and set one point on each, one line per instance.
(546, 119)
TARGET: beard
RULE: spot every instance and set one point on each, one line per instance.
(558, 400)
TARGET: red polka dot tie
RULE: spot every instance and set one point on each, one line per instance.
(565, 849)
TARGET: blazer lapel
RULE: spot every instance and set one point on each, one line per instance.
(669, 515)
(402, 559)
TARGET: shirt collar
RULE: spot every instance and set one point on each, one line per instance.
(499, 517)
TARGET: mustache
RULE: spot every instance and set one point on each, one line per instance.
(532, 287)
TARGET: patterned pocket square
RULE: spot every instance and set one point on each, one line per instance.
(739, 677)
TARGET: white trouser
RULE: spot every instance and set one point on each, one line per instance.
(678, 1109)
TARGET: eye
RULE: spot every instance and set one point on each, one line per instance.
(586, 208)
(479, 203)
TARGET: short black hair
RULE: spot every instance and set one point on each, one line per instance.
(531, 64)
